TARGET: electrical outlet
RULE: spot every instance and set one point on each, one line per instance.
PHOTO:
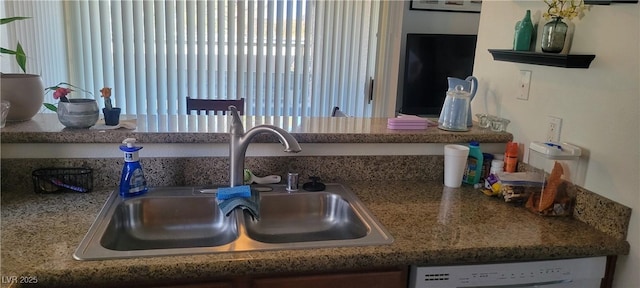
(554, 124)
(525, 81)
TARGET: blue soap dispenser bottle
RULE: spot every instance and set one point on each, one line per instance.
(132, 182)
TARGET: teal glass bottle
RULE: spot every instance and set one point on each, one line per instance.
(523, 33)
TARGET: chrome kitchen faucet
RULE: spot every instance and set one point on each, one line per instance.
(239, 141)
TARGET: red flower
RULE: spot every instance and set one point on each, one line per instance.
(61, 92)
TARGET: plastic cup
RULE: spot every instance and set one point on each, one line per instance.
(455, 160)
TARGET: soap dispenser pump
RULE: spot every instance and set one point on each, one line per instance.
(132, 182)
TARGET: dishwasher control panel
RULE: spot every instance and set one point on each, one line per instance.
(580, 272)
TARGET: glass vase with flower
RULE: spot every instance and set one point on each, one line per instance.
(554, 32)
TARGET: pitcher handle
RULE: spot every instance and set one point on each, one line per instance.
(474, 86)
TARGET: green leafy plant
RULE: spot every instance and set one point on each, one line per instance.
(60, 92)
(21, 57)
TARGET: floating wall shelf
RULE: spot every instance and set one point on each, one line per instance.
(607, 2)
(547, 59)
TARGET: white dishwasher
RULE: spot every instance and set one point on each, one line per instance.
(564, 273)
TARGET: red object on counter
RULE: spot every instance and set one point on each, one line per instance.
(511, 157)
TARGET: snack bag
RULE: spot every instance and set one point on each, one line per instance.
(517, 187)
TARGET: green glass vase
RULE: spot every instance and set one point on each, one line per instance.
(524, 33)
(554, 34)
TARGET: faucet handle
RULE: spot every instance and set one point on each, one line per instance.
(236, 124)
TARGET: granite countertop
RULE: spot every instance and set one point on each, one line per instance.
(45, 128)
(41, 232)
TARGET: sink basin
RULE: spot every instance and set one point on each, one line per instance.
(157, 222)
(310, 216)
(187, 220)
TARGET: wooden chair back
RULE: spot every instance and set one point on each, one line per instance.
(214, 105)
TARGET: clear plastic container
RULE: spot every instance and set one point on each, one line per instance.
(543, 155)
(517, 187)
(560, 163)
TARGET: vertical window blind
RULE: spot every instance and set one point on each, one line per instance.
(40, 36)
(285, 57)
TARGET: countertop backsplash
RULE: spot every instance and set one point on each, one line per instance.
(16, 173)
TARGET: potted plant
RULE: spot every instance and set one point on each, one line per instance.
(73, 112)
(111, 114)
(22, 90)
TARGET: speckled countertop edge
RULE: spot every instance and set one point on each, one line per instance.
(45, 128)
(40, 233)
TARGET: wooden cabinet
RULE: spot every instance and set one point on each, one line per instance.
(382, 279)
(386, 278)
(203, 285)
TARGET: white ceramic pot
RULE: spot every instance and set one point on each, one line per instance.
(25, 92)
(78, 113)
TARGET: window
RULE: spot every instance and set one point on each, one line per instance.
(286, 58)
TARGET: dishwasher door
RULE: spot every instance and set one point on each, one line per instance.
(564, 273)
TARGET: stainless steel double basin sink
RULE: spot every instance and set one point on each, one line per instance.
(187, 220)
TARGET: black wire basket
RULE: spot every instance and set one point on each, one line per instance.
(57, 180)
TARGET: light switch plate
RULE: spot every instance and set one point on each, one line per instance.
(525, 81)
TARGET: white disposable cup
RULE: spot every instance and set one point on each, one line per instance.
(455, 160)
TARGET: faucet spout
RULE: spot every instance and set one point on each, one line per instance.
(239, 142)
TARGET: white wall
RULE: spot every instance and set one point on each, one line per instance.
(438, 22)
(599, 106)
